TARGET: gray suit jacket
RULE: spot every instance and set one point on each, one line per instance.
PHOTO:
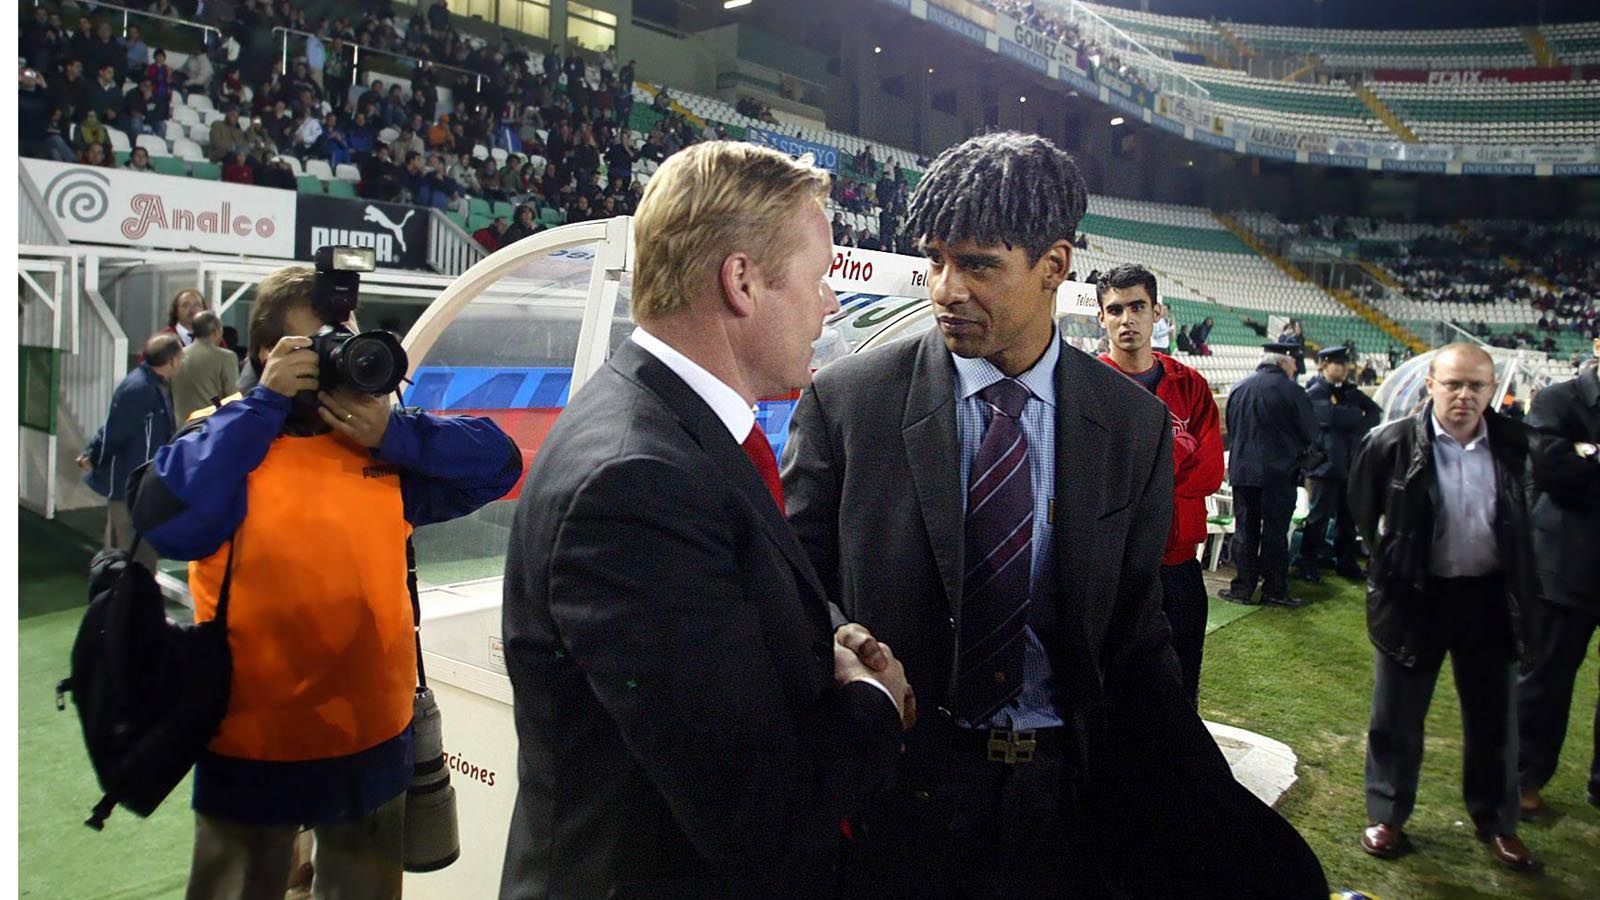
(871, 474)
(205, 373)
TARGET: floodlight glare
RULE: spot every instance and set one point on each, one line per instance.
(734, 4)
(1117, 121)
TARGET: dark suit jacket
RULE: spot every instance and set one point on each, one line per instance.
(670, 653)
(1566, 511)
(1270, 424)
(872, 476)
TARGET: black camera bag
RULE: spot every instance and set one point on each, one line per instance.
(150, 692)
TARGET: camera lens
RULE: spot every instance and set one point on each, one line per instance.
(372, 362)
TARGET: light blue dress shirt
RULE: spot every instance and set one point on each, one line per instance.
(1035, 706)
(1464, 542)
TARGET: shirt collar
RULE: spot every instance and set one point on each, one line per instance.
(973, 375)
(736, 415)
(1440, 434)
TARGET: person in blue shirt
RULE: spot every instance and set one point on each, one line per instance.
(139, 422)
(310, 505)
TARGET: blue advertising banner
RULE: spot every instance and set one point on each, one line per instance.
(1013, 50)
(953, 22)
(1470, 168)
(1337, 159)
(1167, 124)
(1575, 169)
(826, 157)
(1269, 151)
(1215, 140)
(1414, 165)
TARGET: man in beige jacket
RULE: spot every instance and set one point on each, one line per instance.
(207, 371)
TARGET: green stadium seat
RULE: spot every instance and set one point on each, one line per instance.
(552, 217)
(458, 218)
(169, 165)
(502, 208)
(121, 157)
(477, 206)
(207, 170)
(308, 184)
(344, 189)
(476, 222)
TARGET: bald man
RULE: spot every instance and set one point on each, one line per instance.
(1451, 570)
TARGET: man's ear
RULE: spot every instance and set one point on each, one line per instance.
(737, 278)
(1057, 264)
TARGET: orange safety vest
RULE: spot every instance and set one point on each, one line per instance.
(320, 621)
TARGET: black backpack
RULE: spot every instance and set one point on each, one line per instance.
(150, 692)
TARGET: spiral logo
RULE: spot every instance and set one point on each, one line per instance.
(82, 194)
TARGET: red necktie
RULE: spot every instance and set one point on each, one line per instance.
(759, 450)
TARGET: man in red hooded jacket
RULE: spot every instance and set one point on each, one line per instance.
(1129, 309)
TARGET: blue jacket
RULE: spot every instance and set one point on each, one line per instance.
(1270, 424)
(1345, 414)
(139, 422)
(193, 498)
(450, 466)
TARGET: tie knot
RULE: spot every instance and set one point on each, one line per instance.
(1007, 396)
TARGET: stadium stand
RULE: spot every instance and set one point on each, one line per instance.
(544, 144)
(1481, 112)
(1398, 49)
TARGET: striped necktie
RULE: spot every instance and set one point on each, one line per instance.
(999, 559)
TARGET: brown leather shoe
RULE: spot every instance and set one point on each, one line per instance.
(1530, 805)
(1509, 850)
(1382, 840)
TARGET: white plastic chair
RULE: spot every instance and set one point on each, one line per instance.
(155, 145)
(319, 168)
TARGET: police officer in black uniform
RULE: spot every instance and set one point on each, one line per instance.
(1345, 414)
(1271, 428)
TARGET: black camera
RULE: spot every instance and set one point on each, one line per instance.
(372, 362)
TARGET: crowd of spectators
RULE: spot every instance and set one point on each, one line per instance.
(538, 130)
(1554, 269)
(562, 127)
(1039, 17)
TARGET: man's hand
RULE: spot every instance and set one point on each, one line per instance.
(84, 462)
(363, 418)
(848, 667)
(858, 640)
(291, 367)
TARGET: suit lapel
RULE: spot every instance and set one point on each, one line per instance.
(701, 423)
(933, 451)
(1082, 457)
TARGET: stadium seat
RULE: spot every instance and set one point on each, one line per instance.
(478, 207)
(119, 139)
(478, 221)
(319, 168)
(502, 208)
(183, 148)
(200, 101)
(338, 188)
(209, 171)
(293, 163)
(308, 184)
(460, 221)
(388, 135)
(347, 172)
(500, 155)
(168, 165)
(121, 156)
(154, 145)
(171, 130)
